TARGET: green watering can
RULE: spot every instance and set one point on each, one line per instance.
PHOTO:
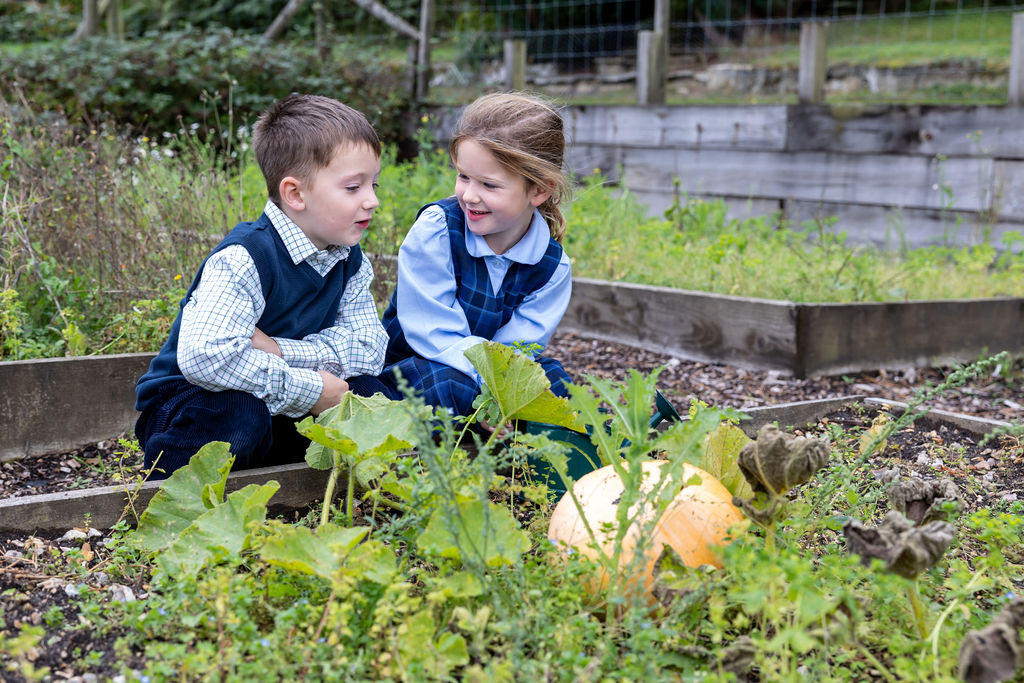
(582, 455)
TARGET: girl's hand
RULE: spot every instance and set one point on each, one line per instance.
(504, 433)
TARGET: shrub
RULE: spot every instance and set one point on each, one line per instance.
(160, 82)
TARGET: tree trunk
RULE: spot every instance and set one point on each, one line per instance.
(282, 19)
(323, 31)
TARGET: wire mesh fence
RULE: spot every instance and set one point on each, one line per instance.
(948, 49)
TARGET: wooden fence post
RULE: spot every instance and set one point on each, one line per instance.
(662, 23)
(1017, 61)
(650, 68)
(515, 64)
(813, 60)
(423, 53)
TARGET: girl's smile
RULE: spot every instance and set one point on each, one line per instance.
(497, 202)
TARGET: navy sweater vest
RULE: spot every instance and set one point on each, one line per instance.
(485, 312)
(299, 301)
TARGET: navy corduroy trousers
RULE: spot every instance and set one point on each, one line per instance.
(184, 418)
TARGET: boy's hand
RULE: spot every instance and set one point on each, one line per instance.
(334, 389)
(262, 342)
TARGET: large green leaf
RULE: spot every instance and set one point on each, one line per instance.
(473, 529)
(188, 493)
(372, 561)
(722, 458)
(321, 552)
(520, 387)
(358, 429)
(423, 656)
(221, 531)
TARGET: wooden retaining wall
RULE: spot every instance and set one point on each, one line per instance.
(302, 486)
(58, 404)
(891, 175)
(61, 404)
(803, 340)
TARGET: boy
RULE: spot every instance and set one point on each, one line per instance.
(281, 310)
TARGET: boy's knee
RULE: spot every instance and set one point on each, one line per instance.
(178, 429)
(368, 385)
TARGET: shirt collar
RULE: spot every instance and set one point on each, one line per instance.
(295, 241)
(529, 250)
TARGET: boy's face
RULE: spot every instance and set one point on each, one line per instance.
(338, 201)
(498, 203)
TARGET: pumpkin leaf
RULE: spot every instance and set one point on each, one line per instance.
(473, 530)
(519, 386)
(721, 458)
(457, 585)
(188, 493)
(319, 552)
(778, 461)
(418, 650)
(359, 429)
(372, 561)
(222, 531)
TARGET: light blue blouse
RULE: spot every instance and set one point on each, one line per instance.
(433, 320)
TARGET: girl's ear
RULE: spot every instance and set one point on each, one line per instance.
(538, 195)
(290, 191)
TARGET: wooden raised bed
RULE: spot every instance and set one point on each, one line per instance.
(302, 486)
(60, 404)
(804, 340)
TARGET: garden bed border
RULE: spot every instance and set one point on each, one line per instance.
(798, 339)
(302, 486)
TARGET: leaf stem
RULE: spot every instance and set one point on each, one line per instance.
(332, 481)
(881, 668)
(915, 604)
(350, 493)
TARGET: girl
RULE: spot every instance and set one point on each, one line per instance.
(486, 264)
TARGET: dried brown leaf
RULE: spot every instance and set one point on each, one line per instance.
(777, 461)
(905, 549)
(924, 500)
(994, 653)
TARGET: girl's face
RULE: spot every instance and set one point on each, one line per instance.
(498, 203)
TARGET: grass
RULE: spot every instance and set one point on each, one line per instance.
(98, 248)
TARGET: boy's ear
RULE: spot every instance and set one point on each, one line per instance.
(290, 191)
(538, 195)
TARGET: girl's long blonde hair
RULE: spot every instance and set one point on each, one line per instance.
(525, 134)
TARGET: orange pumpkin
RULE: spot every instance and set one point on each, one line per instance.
(694, 524)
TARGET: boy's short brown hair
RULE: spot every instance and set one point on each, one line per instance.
(299, 134)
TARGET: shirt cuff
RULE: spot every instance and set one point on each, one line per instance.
(297, 353)
(306, 387)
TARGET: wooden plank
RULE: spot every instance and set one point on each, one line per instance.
(754, 333)
(885, 180)
(757, 127)
(838, 338)
(59, 404)
(894, 228)
(583, 160)
(1007, 198)
(740, 208)
(915, 130)
(301, 486)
